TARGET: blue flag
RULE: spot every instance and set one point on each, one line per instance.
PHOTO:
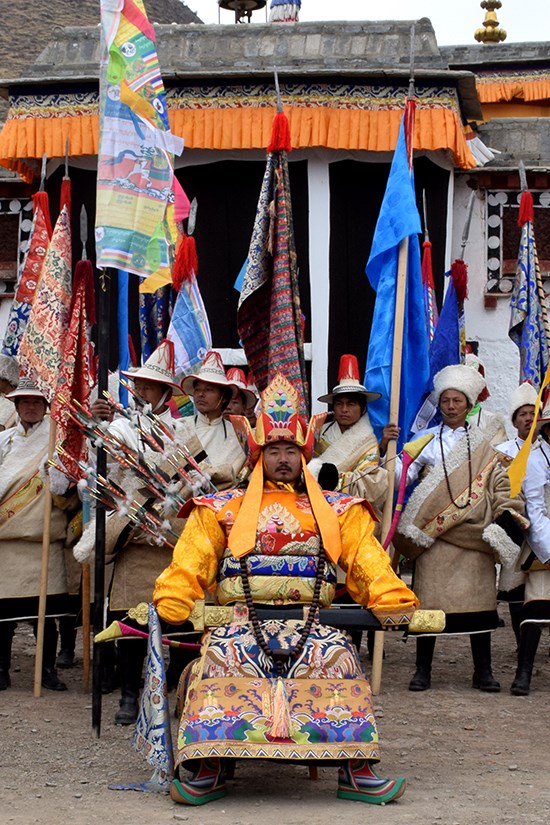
(398, 219)
(444, 350)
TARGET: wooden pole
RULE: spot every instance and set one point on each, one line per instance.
(43, 595)
(398, 324)
(99, 566)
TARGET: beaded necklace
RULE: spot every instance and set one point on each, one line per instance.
(281, 656)
(458, 506)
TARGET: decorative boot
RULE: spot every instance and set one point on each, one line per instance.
(483, 678)
(205, 784)
(50, 679)
(422, 679)
(528, 644)
(358, 781)
(130, 656)
(7, 629)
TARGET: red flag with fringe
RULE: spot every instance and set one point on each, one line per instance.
(75, 381)
(40, 353)
(30, 275)
(269, 318)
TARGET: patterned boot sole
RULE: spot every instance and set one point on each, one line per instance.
(388, 792)
(187, 795)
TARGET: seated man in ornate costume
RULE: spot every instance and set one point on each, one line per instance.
(270, 687)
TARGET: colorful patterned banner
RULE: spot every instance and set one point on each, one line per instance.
(74, 381)
(40, 353)
(135, 167)
(527, 321)
(269, 318)
(30, 275)
(152, 735)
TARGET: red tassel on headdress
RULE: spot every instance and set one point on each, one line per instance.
(187, 263)
(41, 201)
(459, 274)
(65, 196)
(280, 134)
(526, 209)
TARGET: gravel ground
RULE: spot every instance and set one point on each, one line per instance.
(469, 757)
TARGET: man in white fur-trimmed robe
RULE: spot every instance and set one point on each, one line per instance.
(23, 452)
(458, 522)
(347, 452)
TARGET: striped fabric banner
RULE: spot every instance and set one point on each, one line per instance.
(135, 184)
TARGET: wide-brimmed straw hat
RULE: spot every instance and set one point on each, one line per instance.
(211, 371)
(159, 367)
(348, 382)
(26, 387)
(236, 376)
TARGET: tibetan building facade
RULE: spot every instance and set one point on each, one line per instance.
(343, 87)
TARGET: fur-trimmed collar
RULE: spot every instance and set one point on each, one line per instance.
(455, 458)
(343, 452)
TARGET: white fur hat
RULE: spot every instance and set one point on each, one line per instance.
(462, 378)
(523, 395)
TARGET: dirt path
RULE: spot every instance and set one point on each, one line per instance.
(469, 757)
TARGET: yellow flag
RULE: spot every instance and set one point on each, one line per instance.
(518, 467)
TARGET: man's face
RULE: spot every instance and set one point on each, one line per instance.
(454, 407)
(236, 406)
(31, 410)
(150, 391)
(282, 462)
(347, 410)
(523, 418)
(207, 397)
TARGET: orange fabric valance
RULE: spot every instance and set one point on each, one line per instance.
(221, 116)
(503, 89)
(25, 138)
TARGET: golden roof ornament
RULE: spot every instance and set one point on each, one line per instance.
(491, 31)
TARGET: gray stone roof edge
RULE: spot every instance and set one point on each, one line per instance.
(496, 54)
(455, 76)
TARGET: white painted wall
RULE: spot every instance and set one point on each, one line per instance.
(489, 327)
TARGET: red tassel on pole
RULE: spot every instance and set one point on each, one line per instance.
(187, 263)
(132, 352)
(280, 134)
(41, 201)
(427, 271)
(459, 274)
(526, 209)
(65, 196)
